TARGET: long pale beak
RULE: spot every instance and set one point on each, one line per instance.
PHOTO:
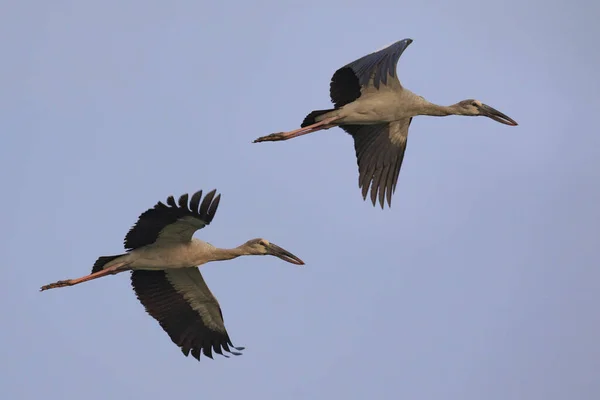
(285, 255)
(497, 115)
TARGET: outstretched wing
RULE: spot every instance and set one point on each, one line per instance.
(185, 308)
(173, 221)
(367, 73)
(379, 154)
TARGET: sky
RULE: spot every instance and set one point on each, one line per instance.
(480, 282)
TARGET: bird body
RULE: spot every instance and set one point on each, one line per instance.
(164, 260)
(376, 110)
(174, 254)
(372, 108)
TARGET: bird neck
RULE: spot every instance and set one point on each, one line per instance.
(219, 254)
(436, 110)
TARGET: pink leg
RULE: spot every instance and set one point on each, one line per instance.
(70, 282)
(274, 137)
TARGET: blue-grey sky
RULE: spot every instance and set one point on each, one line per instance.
(481, 281)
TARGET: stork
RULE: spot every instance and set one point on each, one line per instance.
(376, 110)
(163, 258)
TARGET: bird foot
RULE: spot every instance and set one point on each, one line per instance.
(273, 137)
(55, 285)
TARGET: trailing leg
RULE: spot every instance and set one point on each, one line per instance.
(274, 137)
(112, 270)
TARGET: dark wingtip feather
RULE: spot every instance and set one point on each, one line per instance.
(373, 196)
(374, 186)
(217, 348)
(207, 350)
(207, 200)
(183, 202)
(171, 201)
(195, 201)
(365, 189)
(383, 185)
(213, 206)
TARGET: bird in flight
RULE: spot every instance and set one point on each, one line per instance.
(376, 110)
(164, 260)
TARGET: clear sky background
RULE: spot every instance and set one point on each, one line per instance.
(481, 282)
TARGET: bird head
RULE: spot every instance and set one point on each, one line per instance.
(474, 107)
(262, 247)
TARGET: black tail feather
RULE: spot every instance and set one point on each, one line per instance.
(310, 118)
(102, 261)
